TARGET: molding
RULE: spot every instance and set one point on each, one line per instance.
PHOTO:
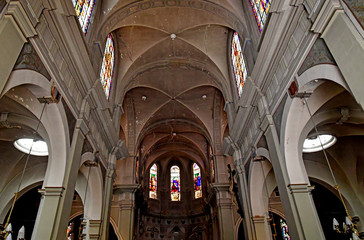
(80, 124)
(51, 191)
(268, 120)
(126, 188)
(300, 188)
(220, 187)
(325, 15)
(16, 10)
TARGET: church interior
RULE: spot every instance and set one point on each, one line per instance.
(181, 119)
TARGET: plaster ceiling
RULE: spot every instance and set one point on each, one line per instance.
(172, 89)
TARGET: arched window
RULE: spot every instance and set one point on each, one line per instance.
(83, 10)
(175, 184)
(153, 181)
(238, 62)
(107, 66)
(197, 181)
(284, 228)
(260, 10)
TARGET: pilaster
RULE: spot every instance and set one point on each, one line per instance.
(244, 196)
(224, 205)
(91, 230)
(107, 198)
(59, 219)
(302, 226)
(126, 201)
(262, 227)
(45, 222)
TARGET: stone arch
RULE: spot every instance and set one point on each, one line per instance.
(92, 200)
(54, 115)
(296, 116)
(261, 185)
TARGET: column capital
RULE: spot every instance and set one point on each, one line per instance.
(240, 169)
(126, 188)
(229, 147)
(51, 191)
(260, 219)
(81, 124)
(267, 120)
(221, 187)
(300, 188)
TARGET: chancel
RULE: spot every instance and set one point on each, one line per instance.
(181, 119)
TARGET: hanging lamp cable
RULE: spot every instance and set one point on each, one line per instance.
(337, 187)
(266, 190)
(23, 172)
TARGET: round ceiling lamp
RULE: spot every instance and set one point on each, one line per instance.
(39, 147)
(313, 144)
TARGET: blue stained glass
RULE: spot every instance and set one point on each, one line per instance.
(175, 184)
(153, 181)
(260, 10)
(197, 181)
(83, 10)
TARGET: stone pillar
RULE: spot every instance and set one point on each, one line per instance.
(52, 219)
(91, 229)
(245, 201)
(224, 205)
(108, 193)
(262, 227)
(126, 202)
(47, 212)
(298, 205)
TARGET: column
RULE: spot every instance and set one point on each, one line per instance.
(108, 193)
(244, 196)
(298, 205)
(262, 227)
(47, 212)
(126, 202)
(224, 205)
(52, 218)
(91, 229)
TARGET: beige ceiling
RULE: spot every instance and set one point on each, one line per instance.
(172, 89)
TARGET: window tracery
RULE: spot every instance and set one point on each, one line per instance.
(107, 66)
(83, 10)
(175, 184)
(239, 66)
(153, 181)
(260, 10)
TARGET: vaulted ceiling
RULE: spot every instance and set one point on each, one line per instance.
(172, 76)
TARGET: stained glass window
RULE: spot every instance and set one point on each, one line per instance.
(175, 184)
(284, 228)
(153, 181)
(239, 66)
(197, 180)
(107, 66)
(260, 10)
(83, 10)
